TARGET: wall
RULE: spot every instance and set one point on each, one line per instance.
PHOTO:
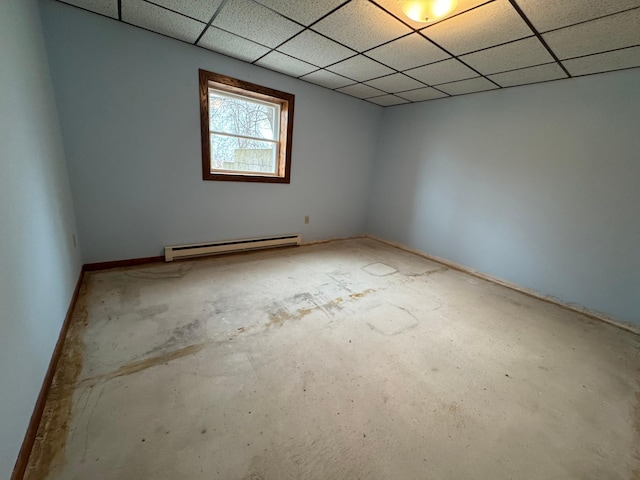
(129, 109)
(39, 266)
(536, 185)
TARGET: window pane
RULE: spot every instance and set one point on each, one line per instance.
(245, 129)
(242, 155)
(234, 115)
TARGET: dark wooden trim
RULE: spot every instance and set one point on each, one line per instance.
(131, 262)
(289, 117)
(22, 461)
(244, 85)
(204, 122)
(234, 85)
(245, 178)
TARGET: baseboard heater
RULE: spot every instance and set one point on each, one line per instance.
(214, 248)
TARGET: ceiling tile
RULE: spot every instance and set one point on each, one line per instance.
(103, 7)
(388, 100)
(395, 7)
(305, 12)
(158, 19)
(315, 49)
(442, 72)
(541, 73)
(361, 91)
(467, 86)
(232, 45)
(285, 64)
(486, 26)
(603, 62)
(519, 54)
(395, 83)
(608, 33)
(199, 9)
(327, 79)
(360, 68)
(361, 25)
(408, 52)
(255, 22)
(551, 14)
(422, 94)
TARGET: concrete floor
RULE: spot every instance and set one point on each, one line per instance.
(347, 360)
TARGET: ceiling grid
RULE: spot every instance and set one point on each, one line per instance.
(368, 49)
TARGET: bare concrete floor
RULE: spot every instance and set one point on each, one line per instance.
(347, 360)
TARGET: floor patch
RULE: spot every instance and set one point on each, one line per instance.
(390, 320)
(379, 269)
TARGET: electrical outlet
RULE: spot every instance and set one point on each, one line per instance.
(306, 219)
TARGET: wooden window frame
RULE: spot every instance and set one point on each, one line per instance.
(251, 91)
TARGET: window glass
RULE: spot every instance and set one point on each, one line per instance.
(246, 130)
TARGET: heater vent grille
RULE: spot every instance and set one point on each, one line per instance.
(215, 248)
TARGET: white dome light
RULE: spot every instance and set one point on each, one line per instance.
(428, 10)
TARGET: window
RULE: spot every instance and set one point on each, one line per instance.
(246, 130)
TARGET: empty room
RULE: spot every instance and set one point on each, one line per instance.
(331, 239)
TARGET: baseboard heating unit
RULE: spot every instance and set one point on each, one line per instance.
(214, 248)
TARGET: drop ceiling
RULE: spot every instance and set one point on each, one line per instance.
(368, 49)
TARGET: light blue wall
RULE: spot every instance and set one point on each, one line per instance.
(536, 185)
(129, 109)
(39, 266)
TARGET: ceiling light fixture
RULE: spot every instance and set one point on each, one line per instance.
(425, 11)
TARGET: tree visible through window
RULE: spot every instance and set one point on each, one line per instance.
(244, 134)
(246, 130)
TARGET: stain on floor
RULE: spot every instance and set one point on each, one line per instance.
(49, 447)
(347, 360)
(182, 336)
(160, 273)
(636, 418)
(154, 361)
